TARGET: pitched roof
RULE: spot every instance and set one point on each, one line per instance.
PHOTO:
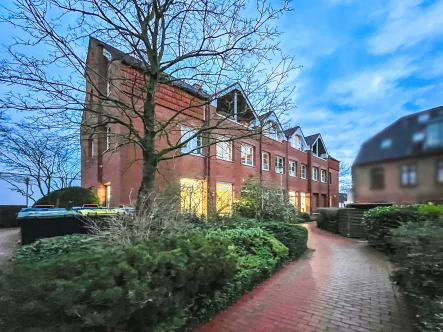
(397, 140)
(134, 62)
(264, 115)
(289, 132)
(311, 139)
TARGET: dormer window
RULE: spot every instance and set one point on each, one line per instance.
(434, 134)
(234, 106)
(319, 150)
(386, 144)
(272, 130)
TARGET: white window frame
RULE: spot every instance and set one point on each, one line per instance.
(303, 174)
(292, 168)
(247, 150)
(195, 145)
(265, 167)
(108, 138)
(323, 175)
(223, 149)
(279, 164)
(314, 173)
(92, 148)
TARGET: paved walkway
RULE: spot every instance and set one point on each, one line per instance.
(8, 241)
(341, 285)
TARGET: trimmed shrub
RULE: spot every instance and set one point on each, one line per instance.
(131, 288)
(306, 217)
(418, 269)
(292, 236)
(380, 221)
(328, 219)
(69, 197)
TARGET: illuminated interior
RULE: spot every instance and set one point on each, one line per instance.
(191, 196)
(224, 198)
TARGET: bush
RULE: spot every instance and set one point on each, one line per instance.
(328, 219)
(132, 288)
(306, 217)
(380, 221)
(69, 197)
(292, 236)
(265, 203)
(418, 268)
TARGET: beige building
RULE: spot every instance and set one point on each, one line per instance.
(403, 163)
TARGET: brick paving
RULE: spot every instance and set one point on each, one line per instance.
(341, 285)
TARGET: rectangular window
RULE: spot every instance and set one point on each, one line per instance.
(293, 198)
(292, 168)
(91, 148)
(279, 165)
(194, 143)
(440, 171)
(434, 134)
(303, 171)
(323, 175)
(224, 198)
(377, 178)
(108, 138)
(315, 173)
(265, 161)
(330, 178)
(247, 154)
(191, 196)
(224, 149)
(408, 175)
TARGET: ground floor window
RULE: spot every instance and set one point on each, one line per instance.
(303, 202)
(191, 196)
(293, 197)
(224, 198)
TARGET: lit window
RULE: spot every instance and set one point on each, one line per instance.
(247, 155)
(224, 149)
(386, 144)
(303, 171)
(440, 171)
(223, 198)
(191, 196)
(194, 141)
(434, 134)
(408, 175)
(323, 175)
(293, 198)
(265, 161)
(315, 173)
(292, 168)
(108, 137)
(279, 165)
(377, 178)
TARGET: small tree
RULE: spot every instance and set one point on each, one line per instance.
(263, 202)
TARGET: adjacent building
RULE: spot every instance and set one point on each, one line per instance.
(403, 163)
(211, 175)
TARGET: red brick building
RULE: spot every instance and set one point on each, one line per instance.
(211, 174)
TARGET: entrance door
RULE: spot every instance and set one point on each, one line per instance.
(303, 206)
(224, 198)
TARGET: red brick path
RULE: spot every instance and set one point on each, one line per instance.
(343, 285)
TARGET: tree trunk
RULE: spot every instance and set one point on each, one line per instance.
(150, 161)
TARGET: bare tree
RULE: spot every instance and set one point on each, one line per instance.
(345, 177)
(211, 43)
(47, 160)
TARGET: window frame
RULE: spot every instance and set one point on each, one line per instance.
(229, 145)
(301, 171)
(408, 169)
(323, 171)
(439, 168)
(252, 148)
(277, 164)
(292, 163)
(197, 148)
(439, 138)
(373, 184)
(108, 137)
(268, 168)
(314, 178)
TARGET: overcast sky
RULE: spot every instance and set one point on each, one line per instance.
(365, 63)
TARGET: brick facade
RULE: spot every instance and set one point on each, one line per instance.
(118, 169)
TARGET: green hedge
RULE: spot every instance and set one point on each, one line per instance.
(306, 217)
(328, 219)
(116, 289)
(292, 236)
(69, 197)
